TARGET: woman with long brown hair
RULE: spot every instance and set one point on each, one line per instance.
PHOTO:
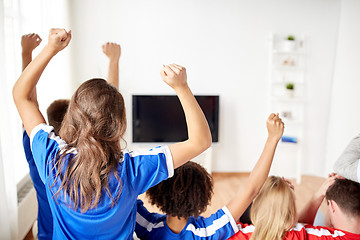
(92, 182)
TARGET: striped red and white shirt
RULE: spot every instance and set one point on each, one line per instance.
(300, 232)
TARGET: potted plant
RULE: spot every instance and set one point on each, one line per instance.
(289, 43)
(291, 38)
(290, 89)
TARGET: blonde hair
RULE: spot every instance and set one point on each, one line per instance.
(94, 125)
(273, 212)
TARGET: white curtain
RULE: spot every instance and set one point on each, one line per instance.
(5, 226)
(18, 17)
(8, 199)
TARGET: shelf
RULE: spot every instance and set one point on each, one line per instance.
(288, 121)
(288, 99)
(282, 82)
(300, 53)
(289, 145)
(287, 64)
(288, 68)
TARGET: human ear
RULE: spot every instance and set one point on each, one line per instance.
(331, 205)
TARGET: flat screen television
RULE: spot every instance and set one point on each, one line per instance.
(160, 118)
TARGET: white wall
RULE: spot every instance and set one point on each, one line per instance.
(344, 123)
(224, 45)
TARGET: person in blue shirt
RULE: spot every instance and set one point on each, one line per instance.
(91, 181)
(187, 194)
(44, 218)
(55, 114)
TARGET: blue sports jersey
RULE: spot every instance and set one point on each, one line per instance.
(220, 225)
(137, 171)
(45, 221)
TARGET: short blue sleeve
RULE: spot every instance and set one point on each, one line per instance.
(44, 146)
(220, 225)
(148, 168)
(146, 221)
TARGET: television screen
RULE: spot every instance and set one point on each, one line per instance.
(160, 118)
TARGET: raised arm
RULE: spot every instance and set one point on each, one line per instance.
(348, 164)
(199, 136)
(28, 43)
(308, 213)
(113, 52)
(24, 87)
(259, 174)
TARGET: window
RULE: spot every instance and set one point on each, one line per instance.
(22, 17)
(11, 136)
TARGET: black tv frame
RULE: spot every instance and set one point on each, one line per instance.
(163, 119)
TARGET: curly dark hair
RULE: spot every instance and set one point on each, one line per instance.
(187, 193)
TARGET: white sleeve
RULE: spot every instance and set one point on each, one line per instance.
(348, 164)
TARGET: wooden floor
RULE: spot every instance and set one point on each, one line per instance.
(227, 184)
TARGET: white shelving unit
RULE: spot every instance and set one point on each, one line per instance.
(287, 64)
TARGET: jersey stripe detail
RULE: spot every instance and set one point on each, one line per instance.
(170, 163)
(51, 135)
(324, 232)
(247, 229)
(211, 229)
(36, 130)
(146, 224)
(62, 144)
(299, 227)
(156, 151)
(232, 220)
